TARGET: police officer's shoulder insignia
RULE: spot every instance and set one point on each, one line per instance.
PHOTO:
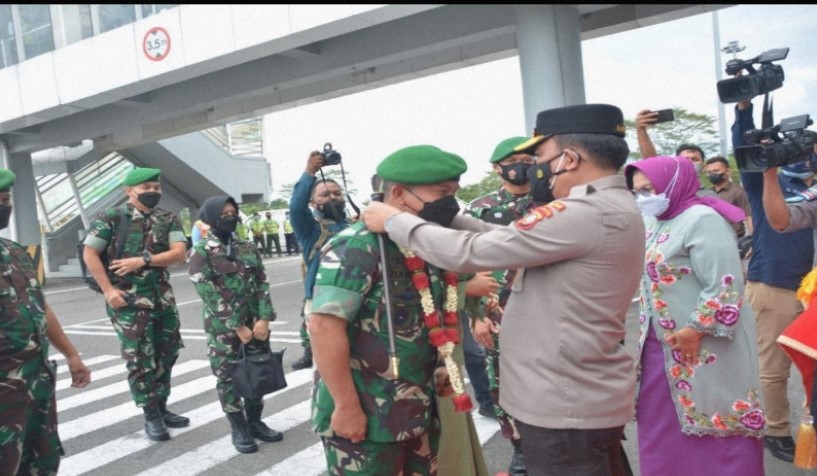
(538, 214)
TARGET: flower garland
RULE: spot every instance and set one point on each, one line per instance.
(444, 334)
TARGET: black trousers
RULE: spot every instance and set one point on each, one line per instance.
(550, 452)
(291, 243)
(270, 240)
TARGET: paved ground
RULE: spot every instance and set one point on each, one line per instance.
(102, 430)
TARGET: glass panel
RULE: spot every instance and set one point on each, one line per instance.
(152, 8)
(114, 16)
(35, 23)
(85, 20)
(77, 22)
(8, 45)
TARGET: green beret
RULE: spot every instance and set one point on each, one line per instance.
(6, 179)
(505, 149)
(141, 175)
(421, 164)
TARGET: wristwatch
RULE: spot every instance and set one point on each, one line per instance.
(146, 256)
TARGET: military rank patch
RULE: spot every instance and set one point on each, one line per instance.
(538, 214)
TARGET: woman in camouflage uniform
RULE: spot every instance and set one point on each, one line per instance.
(229, 276)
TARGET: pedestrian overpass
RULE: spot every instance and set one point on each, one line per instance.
(92, 90)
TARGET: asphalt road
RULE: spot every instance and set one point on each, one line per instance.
(102, 430)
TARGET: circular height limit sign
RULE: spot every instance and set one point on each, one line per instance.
(156, 44)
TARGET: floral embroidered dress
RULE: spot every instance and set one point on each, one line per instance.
(693, 277)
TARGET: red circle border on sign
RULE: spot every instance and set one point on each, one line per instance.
(144, 49)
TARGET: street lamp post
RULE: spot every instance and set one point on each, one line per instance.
(734, 48)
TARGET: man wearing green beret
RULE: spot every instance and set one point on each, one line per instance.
(566, 377)
(29, 442)
(511, 202)
(138, 296)
(375, 403)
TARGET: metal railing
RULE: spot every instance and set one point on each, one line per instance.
(58, 196)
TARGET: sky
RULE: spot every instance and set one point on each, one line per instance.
(470, 110)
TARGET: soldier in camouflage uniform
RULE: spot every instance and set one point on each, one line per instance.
(29, 442)
(511, 202)
(229, 276)
(138, 296)
(370, 422)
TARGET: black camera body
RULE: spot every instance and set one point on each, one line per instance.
(784, 144)
(330, 157)
(757, 82)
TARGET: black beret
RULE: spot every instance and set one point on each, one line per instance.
(582, 119)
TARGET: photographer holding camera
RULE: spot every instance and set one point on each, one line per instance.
(313, 230)
(778, 264)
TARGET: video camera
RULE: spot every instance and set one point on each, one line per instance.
(330, 157)
(784, 144)
(768, 78)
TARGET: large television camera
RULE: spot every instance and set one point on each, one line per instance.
(784, 144)
(757, 82)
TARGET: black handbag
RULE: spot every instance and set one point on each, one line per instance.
(256, 375)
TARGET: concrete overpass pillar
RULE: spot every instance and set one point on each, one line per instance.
(550, 57)
(24, 227)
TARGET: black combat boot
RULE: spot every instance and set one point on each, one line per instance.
(171, 419)
(155, 425)
(304, 362)
(258, 428)
(242, 439)
(517, 467)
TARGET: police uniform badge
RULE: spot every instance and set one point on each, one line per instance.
(538, 214)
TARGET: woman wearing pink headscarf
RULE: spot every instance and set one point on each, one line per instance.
(698, 403)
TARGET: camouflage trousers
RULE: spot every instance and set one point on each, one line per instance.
(305, 310)
(223, 347)
(29, 442)
(417, 456)
(507, 424)
(150, 341)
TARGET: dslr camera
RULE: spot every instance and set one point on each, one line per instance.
(330, 156)
(784, 144)
(757, 82)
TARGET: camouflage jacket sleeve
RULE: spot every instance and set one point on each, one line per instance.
(218, 298)
(266, 311)
(175, 231)
(345, 276)
(100, 231)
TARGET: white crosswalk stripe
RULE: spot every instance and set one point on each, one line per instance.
(210, 449)
(122, 386)
(132, 443)
(62, 369)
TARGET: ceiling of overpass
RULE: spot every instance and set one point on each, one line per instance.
(453, 36)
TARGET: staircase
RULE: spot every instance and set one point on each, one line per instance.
(71, 269)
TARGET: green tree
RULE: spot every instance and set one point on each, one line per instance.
(278, 204)
(490, 183)
(687, 128)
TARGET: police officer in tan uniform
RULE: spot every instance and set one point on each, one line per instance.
(567, 378)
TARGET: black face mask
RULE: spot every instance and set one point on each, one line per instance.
(541, 190)
(441, 211)
(333, 210)
(539, 177)
(5, 215)
(149, 199)
(227, 224)
(521, 175)
(716, 178)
